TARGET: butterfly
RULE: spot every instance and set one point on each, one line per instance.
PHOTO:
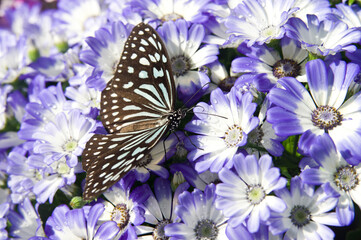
(137, 110)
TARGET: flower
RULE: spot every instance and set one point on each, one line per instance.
(262, 60)
(159, 209)
(104, 53)
(123, 207)
(324, 37)
(324, 109)
(25, 222)
(79, 223)
(223, 127)
(162, 11)
(247, 193)
(200, 218)
(183, 42)
(351, 15)
(307, 212)
(256, 21)
(333, 169)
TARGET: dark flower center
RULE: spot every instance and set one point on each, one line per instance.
(227, 83)
(346, 178)
(286, 68)
(255, 137)
(255, 194)
(206, 230)
(326, 117)
(300, 216)
(180, 65)
(120, 215)
(158, 233)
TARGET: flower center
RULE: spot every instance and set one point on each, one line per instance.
(326, 117)
(120, 215)
(286, 68)
(70, 145)
(180, 65)
(171, 17)
(269, 31)
(300, 216)
(158, 233)
(233, 136)
(346, 178)
(227, 83)
(255, 194)
(60, 166)
(206, 230)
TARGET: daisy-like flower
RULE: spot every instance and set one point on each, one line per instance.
(89, 17)
(123, 206)
(324, 109)
(332, 168)
(256, 21)
(323, 37)
(81, 223)
(159, 209)
(307, 213)
(25, 222)
(171, 10)
(183, 43)
(200, 218)
(104, 53)
(223, 126)
(268, 62)
(246, 193)
(66, 137)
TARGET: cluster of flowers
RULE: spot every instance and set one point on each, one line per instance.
(272, 147)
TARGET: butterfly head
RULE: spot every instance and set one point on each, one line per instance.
(176, 117)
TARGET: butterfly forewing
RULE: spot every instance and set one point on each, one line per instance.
(135, 106)
(142, 90)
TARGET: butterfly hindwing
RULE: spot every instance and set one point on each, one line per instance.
(107, 158)
(142, 90)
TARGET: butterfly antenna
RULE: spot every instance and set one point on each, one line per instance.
(195, 94)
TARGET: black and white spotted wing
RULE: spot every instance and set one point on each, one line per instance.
(135, 109)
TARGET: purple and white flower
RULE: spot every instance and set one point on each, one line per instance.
(199, 217)
(324, 109)
(307, 213)
(183, 42)
(256, 21)
(223, 127)
(343, 178)
(245, 195)
(324, 37)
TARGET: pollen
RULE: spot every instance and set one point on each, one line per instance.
(286, 68)
(326, 117)
(233, 136)
(120, 215)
